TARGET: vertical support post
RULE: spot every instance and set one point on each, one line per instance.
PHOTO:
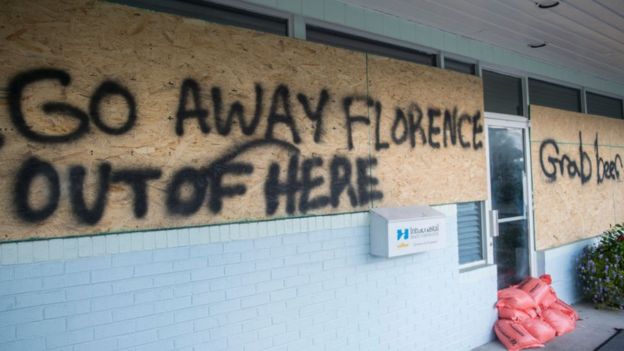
(440, 60)
(525, 96)
(297, 27)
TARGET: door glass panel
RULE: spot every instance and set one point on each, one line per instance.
(506, 167)
(511, 253)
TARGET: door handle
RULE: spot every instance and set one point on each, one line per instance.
(525, 194)
(494, 223)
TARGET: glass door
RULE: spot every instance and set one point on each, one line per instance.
(510, 220)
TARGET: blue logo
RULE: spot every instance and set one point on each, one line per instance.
(402, 234)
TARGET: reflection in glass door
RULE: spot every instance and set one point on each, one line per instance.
(509, 196)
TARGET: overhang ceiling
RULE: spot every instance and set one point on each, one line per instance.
(587, 35)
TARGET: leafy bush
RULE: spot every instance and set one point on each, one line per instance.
(601, 269)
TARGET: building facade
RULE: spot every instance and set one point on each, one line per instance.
(282, 270)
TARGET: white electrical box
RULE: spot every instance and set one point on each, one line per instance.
(406, 230)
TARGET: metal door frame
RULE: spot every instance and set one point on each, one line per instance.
(511, 121)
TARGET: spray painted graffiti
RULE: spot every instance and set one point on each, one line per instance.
(553, 163)
(342, 175)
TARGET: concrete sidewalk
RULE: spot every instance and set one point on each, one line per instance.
(593, 329)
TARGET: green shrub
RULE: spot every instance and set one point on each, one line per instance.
(601, 269)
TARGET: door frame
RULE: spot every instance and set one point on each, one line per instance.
(511, 121)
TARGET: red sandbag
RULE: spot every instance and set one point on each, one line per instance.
(515, 298)
(540, 330)
(539, 291)
(513, 314)
(565, 308)
(561, 322)
(514, 336)
(546, 278)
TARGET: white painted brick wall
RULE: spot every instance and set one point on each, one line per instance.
(316, 288)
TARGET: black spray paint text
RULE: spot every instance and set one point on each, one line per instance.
(345, 177)
(554, 163)
(207, 184)
(414, 124)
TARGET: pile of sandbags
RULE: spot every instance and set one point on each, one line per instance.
(530, 314)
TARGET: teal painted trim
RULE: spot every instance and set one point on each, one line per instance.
(292, 6)
(352, 16)
(334, 11)
(313, 8)
(298, 25)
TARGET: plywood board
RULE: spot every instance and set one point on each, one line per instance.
(116, 119)
(160, 59)
(439, 157)
(578, 201)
